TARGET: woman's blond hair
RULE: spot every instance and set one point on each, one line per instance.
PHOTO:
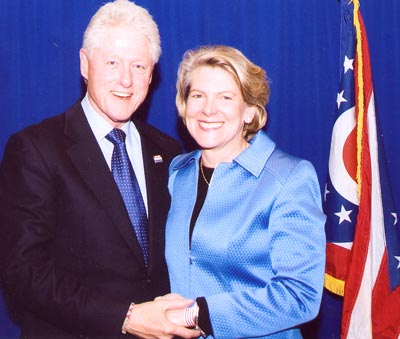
(250, 78)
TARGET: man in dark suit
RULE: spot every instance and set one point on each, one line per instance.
(70, 257)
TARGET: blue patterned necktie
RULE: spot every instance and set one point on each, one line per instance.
(127, 183)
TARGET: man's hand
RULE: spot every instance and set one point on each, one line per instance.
(149, 320)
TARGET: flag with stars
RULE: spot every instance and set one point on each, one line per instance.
(363, 234)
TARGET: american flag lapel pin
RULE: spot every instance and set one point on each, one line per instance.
(157, 158)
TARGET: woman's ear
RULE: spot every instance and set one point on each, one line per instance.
(249, 114)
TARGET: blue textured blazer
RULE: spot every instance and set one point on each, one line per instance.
(258, 247)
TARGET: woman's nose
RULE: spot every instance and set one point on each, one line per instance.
(210, 106)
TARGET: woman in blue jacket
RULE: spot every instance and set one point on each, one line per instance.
(245, 231)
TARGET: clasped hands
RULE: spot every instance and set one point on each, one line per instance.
(162, 318)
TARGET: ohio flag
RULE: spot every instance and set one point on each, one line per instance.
(363, 233)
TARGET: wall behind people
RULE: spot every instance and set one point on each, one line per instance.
(297, 42)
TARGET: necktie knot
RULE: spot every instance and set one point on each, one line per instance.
(116, 136)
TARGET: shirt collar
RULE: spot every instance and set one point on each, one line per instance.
(99, 126)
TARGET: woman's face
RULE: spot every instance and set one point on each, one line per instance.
(216, 111)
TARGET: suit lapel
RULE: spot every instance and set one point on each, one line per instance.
(89, 161)
(156, 173)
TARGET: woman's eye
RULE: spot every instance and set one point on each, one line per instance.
(196, 95)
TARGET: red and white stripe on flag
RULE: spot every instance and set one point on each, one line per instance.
(362, 260)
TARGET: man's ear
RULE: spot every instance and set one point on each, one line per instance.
(84, 63)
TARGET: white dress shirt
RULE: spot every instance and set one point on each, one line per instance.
(100, 128)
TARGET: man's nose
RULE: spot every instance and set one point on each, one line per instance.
(125, 76)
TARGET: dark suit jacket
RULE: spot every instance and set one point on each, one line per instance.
(70, 257)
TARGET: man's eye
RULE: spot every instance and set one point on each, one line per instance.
(111, 63)
(139, 68)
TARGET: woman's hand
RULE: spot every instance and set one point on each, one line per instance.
(162, 318)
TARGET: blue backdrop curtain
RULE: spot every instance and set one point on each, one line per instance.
(297, 42)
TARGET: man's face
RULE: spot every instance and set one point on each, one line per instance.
(118, 74)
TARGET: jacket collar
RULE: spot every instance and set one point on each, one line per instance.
(252, 159)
